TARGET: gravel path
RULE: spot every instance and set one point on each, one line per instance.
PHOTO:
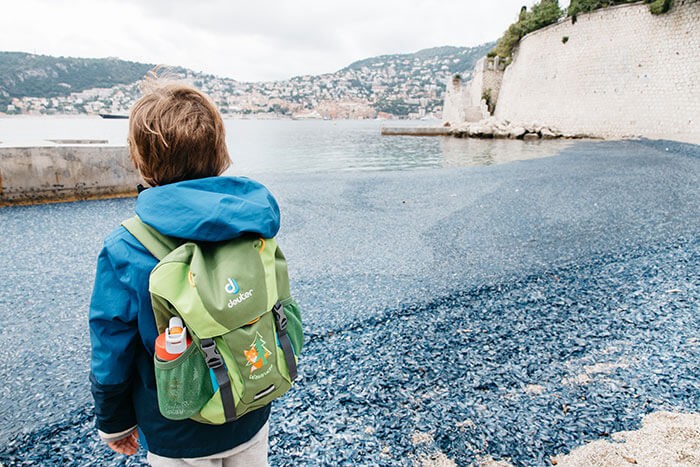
(513, 311)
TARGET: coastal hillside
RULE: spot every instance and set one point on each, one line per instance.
(25, 75)
(392, 86)
(397, 83)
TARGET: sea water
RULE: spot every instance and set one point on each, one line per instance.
(263, 146)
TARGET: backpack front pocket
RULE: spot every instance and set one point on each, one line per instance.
(255, 361)
(183, 384)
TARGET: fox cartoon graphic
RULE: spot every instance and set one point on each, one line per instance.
(257, 354)
(253, 359)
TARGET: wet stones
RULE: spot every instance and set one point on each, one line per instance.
(503, 129)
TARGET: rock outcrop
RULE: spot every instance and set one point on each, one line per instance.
(494, 128)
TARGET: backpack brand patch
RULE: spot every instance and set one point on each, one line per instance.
(242, 297)
(232, 286)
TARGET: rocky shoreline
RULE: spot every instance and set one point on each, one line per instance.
(494, 128)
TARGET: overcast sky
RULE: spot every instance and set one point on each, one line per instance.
(251, 40)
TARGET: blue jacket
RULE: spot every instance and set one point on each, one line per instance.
(122, 326)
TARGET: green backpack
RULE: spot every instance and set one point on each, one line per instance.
(234, 300)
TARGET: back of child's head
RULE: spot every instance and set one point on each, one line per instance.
(176, 133)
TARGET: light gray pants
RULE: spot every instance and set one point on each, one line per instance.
(250, 454)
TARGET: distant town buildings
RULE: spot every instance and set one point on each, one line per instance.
(393, 86)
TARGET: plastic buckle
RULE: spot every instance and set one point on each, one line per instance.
(212, 357)
(280, 317)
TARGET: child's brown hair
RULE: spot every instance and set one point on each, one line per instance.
(176, 133)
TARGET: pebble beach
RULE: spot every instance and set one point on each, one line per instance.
(505, 314)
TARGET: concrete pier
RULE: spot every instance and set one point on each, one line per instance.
(416, 131)
(57, 173)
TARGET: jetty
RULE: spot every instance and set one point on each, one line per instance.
(65, 170)
(416, 131)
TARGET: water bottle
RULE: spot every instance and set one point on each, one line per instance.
(174, 341)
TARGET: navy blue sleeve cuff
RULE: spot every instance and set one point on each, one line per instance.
(114, 409)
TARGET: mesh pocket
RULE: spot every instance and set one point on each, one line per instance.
(184, 385)
(293, 313)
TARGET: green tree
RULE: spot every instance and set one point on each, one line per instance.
(543, 13)
(657, 7)
(260, 348)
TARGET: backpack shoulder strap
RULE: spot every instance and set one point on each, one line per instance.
(156, 243)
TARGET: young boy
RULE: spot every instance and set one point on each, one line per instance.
(177, 143)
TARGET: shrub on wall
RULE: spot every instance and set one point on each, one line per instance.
(659, 7)
(546, 12)
(584, 6)
(488, 98)
(543, 13)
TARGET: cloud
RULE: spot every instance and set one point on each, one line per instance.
(249, 41)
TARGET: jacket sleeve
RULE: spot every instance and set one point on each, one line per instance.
(114, 337)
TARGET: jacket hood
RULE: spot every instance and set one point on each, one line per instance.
(210, 209)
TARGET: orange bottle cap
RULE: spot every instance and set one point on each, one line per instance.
(162, 353)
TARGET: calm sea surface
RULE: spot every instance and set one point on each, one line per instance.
(258, 146)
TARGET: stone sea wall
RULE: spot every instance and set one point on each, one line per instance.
(464, 101)
(617, 72)
(458, 104)
(65, 173)
(488, 77)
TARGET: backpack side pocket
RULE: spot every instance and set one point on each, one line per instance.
(183, 384)
(293, 314)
